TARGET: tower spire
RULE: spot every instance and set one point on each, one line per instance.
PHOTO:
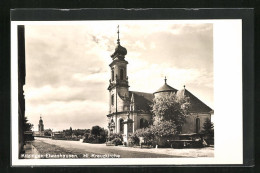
(165, 80)
(118, 40)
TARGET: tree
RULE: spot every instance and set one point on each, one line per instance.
(208, 131)
(208, 128)
(26, 125)
(47, 132)
(171, 107)
(163, 128)
(70, 131)
(98, 135)
(96, 130)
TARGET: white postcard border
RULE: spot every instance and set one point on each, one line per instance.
(228, 118)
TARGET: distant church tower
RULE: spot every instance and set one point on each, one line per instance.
(118, 83)
(40, 125)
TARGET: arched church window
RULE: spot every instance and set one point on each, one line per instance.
(143, 123)
(121, 123)
(197, 125)
(112, 74)
(121, 74)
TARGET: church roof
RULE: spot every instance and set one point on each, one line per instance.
(142, 101)
(197, 106)
(165, 88)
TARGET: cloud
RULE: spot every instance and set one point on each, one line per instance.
(59, 115)
(46, 94)
(152, 45)
(67, 66)
(96, 77)
(139, 45)
(177, 77)
(55, 55)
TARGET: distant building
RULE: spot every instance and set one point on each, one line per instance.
(40, 131)
(40, 125)
(130, 110)
(57, 135)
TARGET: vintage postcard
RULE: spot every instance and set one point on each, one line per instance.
(135, 92)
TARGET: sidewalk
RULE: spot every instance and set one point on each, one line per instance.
(30, 150)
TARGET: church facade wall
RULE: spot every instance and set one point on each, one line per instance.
(134, 117)
(194, 123)
(120, 117)
(147, 117)
(118, 102)
(136, 120)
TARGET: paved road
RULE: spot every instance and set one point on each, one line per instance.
(127, 152)
(101, 149)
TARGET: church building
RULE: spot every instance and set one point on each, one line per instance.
(40, 125)
(40, 131)
(131, 110)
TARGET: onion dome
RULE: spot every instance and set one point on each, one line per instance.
(165, 88)
(120, 51)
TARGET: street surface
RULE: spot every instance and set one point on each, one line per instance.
(76, 147)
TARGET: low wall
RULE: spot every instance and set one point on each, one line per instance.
(43, 136)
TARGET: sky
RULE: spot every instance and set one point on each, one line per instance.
(67, 66)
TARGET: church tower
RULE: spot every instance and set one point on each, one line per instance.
(40, 125)
(118, 83)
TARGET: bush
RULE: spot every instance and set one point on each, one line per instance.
(117, 141)
(115, 135)
(133, 139)
(101, 139)
(97, 135)
(89, 139)
(209, 139)
(147, 134)
(156, 134)
(116, 138)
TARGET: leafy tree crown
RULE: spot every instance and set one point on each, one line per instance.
(170, 107)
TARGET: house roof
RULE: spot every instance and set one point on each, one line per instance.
(196, 104)
(142, 101)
